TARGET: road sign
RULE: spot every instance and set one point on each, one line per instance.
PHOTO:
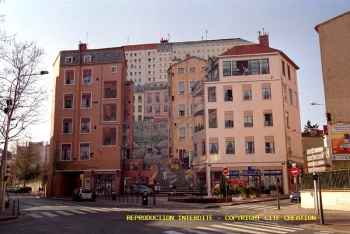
(315, 157)
(316, 163)
(225, 171)
(317, 169)
(294, 171)
(315, 150)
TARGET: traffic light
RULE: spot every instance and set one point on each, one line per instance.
(329, 117)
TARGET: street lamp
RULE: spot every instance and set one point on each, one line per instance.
(8, 111)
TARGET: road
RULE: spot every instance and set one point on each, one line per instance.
(63, 216)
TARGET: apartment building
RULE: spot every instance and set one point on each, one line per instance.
(156, 108)
(247, 118)
(91, 121)
(149, 63)
(182, 77)
(335, 56)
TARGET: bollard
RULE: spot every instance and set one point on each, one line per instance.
(18, 207)
(13, 208)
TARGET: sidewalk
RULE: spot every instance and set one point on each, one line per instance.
(334, 220)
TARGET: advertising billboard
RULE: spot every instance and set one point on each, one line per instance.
(340, 141)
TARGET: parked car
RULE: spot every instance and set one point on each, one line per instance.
(83, 194)
(141, 189)
(295, 196)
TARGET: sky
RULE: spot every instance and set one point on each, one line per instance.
(61, 24)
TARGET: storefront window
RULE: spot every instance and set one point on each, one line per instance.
(104, 184)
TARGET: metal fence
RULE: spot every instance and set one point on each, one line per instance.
(332, 180)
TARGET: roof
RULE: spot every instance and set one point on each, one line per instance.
(330, 20)
(255, 49)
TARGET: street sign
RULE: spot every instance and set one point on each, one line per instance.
(316, 169)
(316, 163)
(225, 171)
(294, 171)
(316, 157)
(315, 150)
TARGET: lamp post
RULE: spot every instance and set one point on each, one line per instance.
(9, 111)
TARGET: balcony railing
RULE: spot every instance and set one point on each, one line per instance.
(228, 98)
(249, 151)
(212, 99)
(214, 151)
(228, 124)
(248, 124)
(230, 151)
(268, 123)
(205, 79)
(198, 127)
(269, 150)
(213, 124)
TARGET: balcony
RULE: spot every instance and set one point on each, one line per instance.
(205, 79)
(198, 108)
(198, 127)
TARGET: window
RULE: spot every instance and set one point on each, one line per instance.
(211, 94)
(109, 136)
(247, 95)
(165, 108)
(110, 89)
(157, 97)
(288, 72)
(203, 68)
(212, 118)
(226, 68)
(213, 146)
(192, 85)
(228, 119)
(149, 99)
(66, 152)
(283, 68)
(113, 69)
(285, 92)
(265, 66)
(149, 109)
(268, 118)
(193, 69)
(69, 78)
(165, 97)
(139, 118)
(139, 108)
(266, 91)
(296, 99)
(67, 127)
(139, 99)
(68, 60)
(84, 151)
(182, 132)
(249, 145)
(253, 67)
(68, 101)
(291, 96)
(181, 87)
(191, 132)
(87, 59)
(269, 145)
(203, 147)
(157, 109)
(86, 100)
(230, 145)
(248, 118)
(109, 112)
(181, 108)
(87, 76)
(228, 93)
(180, 70)
(85, 125)
(287, 119)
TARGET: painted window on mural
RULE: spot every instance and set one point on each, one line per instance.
(109, 112)
(110, 89)
(109, 136)
(66, 152)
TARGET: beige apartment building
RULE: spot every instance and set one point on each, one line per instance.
(334, 40)
(156, 107)
(247, 118)
(91, 122)
(182, 77)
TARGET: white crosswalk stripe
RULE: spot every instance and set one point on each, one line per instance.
(77, 211)
(49, 214)
(250, 227)
(35, 215)
(251, 207)
(63, 212)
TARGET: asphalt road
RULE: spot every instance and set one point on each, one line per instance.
(60, 216)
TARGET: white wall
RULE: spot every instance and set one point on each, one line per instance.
(331, 200)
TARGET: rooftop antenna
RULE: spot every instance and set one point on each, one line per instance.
(263, 32)
(169, 36)
(127, 42)
(206, 34)
(87, 36)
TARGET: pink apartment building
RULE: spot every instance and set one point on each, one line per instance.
(91, 129)
(247, 118)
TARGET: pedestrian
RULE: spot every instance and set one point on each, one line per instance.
(164, 175)
(93, 192)
(186, 177)
(191, 187)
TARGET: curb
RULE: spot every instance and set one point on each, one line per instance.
(322, 227)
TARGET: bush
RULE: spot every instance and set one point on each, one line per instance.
(215, 191)
(243, 190)
(253, 190)
(24, 190)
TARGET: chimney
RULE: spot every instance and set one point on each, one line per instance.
(82, 46)
(264, 39)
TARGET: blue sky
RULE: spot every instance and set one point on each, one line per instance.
(61, 24)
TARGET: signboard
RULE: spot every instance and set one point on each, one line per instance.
(340, 140)
(315, 157)
(315, 150)
(225, 171)
(316, 163)
(294, 171)
(317, 169)
(341, 157)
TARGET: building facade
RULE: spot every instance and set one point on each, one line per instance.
(247, 118)
(149, 63)
(156, 98)
(335, 56)
(182, 77)
(91, 121)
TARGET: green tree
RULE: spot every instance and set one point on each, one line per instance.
(222, 185)
(309, 126)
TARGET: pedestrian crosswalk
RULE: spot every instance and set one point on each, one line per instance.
(253, 207)
(55, 211)
(250, 227)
